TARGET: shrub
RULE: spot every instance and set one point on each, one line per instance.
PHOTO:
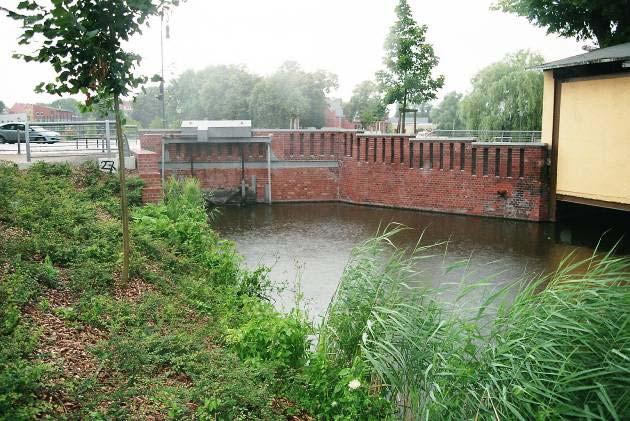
(269, 336)
(332, 391)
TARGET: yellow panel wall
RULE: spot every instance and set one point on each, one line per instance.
(594, 139)
(547, 113)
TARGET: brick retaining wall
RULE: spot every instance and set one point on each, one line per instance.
(488, 179)
(498, 180)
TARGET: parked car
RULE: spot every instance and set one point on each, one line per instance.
(9, 133)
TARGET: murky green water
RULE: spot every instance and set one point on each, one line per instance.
(313, 242)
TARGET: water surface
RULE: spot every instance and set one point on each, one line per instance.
(313, 241)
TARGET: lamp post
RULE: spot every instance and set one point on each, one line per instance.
(162, 97)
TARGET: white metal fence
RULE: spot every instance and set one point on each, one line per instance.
(64, 139)
(485, 135)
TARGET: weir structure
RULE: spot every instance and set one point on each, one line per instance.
(234, 135)
(498, 176)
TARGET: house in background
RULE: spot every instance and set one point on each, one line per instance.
(37, 112)
(421, 124)
(335, 117)
(586, 121)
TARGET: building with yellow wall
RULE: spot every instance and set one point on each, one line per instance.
(586, 122)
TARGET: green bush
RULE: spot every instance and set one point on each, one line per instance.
(269, 336)
(338, 392)
(20, 379)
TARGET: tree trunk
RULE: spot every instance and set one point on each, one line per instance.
(123, 193)
(403, 113)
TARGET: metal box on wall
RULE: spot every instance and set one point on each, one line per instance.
(206, 130)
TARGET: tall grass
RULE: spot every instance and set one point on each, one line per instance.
(560, 348)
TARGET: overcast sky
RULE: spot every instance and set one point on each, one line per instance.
(342, 36)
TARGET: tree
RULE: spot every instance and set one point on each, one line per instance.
(214, 93)
(446, 115)
(506, 95)
(83, 41)
(147, 107)
(424, 109)
(409, 61)
(291, 94)
(76, 108)
(67, 104)
(366, 103)
(606, 21)
(225, 92)
(2, 107)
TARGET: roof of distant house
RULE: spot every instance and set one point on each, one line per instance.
(619, 52)
(18, 107)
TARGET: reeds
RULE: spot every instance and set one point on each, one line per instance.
(560, 348)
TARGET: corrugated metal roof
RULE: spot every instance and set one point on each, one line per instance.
(619, 52)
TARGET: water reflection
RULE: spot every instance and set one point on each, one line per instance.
(314, 241)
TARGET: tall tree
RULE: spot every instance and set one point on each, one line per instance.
(147, 107)
(366, 103)
(291, 94)
(83, 41)
(447, 115)
(605, 21)
(409, 62)
(506, 95)
(2, 107)
(225, 92)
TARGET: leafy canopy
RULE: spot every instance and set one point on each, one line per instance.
(232, 92)
(366, 103)
(409, 62)
(291, 93)
(83, 41)
(506, 95)
(446, 115)
(604, 21)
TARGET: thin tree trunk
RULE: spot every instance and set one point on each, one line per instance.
(123, 193)
(404, 109)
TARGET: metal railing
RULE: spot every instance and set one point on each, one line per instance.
(69, 138)
(484, 135)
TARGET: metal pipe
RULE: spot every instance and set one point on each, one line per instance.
(269, 169)
(162, 59)
(162, 164)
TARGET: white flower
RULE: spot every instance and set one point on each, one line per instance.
(333, 404)
(354, 384)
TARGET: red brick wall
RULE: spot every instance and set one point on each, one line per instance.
(332, 120)
(147, 161)
(441, 184)
(376, 170)
(38, 112)
(309, 145)
(287, 184)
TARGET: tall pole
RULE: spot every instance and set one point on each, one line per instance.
(162, 62)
